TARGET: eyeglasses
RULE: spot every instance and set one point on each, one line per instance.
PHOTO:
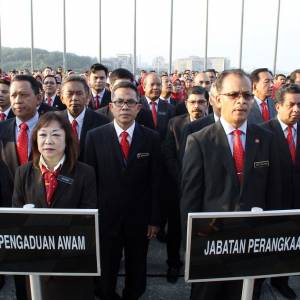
(200, 102)
(120, 103)
(236, 95)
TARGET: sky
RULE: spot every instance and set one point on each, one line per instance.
(153, 27)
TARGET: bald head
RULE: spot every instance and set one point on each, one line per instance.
(152, 86)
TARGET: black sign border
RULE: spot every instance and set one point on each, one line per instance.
(223, 215)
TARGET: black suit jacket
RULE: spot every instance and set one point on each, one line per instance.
(209, 179)
(10, 115)
(91, 120)
(104, 101)
(290, 172)
(144, 117)
(6, 185)
(128, 193)
(165, 112)
(43, 108)
(181, 108)
(172, 142)
(30, 188)
(8, 145)
(192, 127)
(57, 104)
(255, 116)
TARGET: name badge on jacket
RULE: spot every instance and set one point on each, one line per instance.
(142, 155)
(261, 164)
(65, 179)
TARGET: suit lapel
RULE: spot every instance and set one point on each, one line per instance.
(40, 187)
(116, 144)
(86, 125)
(298, 145)
(11, 147)
(252, 142)
(136, 144)
(271, 108)
(225, 153)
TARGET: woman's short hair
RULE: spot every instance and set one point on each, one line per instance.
(72, 147)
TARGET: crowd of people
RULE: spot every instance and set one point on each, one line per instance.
(147, 152)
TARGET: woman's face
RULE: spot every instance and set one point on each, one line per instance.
(51, 140)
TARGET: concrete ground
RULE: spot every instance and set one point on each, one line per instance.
(158, 288)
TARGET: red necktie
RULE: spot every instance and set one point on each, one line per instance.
(238, 153)
(50, 180)
(22, 144)
(97, 104)
(2, 116)
(264, 111)
(124, 144)
(74, 129)
(154, 113)
(291, 143)
(49, 101)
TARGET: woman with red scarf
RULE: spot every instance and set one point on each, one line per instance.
(177, 93)
(55, 179)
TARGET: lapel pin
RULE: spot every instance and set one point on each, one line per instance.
(256, 141)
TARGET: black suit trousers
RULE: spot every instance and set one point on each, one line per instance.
(133, 240)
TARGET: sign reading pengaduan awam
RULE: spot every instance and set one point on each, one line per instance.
(237, 245)
(49, 241)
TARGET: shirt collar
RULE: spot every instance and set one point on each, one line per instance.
(31, 122)
(7, 111)
(259, 101)
(216, 118)
(79, 118)
(228, 128)
(150, 101)
(129, 130)
(59, 164)
(99, 94)
(285, 126)
(52, 97)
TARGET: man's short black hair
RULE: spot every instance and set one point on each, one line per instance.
(255, 74)
(50, 76)
(120, 73)
(286, 89)
(33, 82)
(126, 85)
(98, 67)
(293, 75)
(196, 90)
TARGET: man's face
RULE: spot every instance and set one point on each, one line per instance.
(97, 80)
(74, 97)
(202, 80)
(235, 99)
(281, 80)
(289, 110)
(152, 87)
(49, 86)
(4, 96)
(124, 106)
(264, 87)
(212, 76)
(196, 106)
(23, 100)
(166, 85)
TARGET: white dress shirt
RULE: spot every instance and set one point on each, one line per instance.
(79, 120)
(100, 95)
(129, 130)
(284, 128)
(228, 128)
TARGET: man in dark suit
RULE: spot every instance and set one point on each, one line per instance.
(196, 105)
(101, 96)
(161, 111)
(286, 129)
(5, 109)
(50, 87)
(126, 157)
(263, 108)
(144, 117)
(75, 95)
(15, 135)
(222, 170)
(200, 123)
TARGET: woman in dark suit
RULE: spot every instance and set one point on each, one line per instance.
(55, 179)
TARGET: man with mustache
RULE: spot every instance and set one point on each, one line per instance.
(196, 105)
(263, 107)
(229, 166)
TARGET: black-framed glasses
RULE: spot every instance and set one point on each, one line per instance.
(236, 95)
(195, 102)
(120, 103)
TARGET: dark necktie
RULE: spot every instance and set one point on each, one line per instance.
(238, 153)
(2, 116)
(97, 104)
(264, 111)
(74, 129)
(22, 144)
(291, 143)
(124, 144)
(154, 113)
(50, 180)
